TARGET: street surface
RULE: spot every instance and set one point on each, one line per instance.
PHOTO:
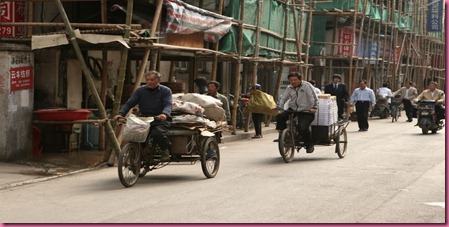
(391, 174)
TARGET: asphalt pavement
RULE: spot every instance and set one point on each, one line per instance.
(49, 166)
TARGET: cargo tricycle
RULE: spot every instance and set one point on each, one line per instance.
(188, 145)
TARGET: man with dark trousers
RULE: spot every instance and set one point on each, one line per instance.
(364, 99)
(338, 90)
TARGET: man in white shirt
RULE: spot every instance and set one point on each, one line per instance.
(363, 99)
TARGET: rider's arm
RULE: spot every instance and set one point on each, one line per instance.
(132, 101)
(284, 97)
(167, 102)
(442, 98)
(420, 96)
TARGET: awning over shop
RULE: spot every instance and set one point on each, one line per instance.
(45, 41)
(183, 18)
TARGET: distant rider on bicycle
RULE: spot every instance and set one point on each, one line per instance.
(303, 103)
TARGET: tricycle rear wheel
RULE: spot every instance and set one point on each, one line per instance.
(210, 157)
(129, 163)
(286, 146)
(341, 142)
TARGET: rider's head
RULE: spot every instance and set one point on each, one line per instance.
(153, 78)
(433, 85)
(408, 84)
(385, 85)
(295, 79)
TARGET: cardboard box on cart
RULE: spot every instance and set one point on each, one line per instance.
(325, 118)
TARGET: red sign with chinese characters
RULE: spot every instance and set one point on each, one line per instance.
(12, 12)
(21, 78)
(345, 36)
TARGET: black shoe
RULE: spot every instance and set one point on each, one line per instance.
(165, 156)
(363, 130)
(310, 149)
(276, 140)
(409, 120)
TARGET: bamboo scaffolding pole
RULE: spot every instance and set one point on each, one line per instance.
(369, 51)
(74, 25)
(297, 35)
(101, 121)
(237, 70)
(88, 76)
(104, 11)
(309, 31)
(256, 48)
(30, 16)
(216, 46)
(109, 156)
(284, 38)
(103, 93)
(408, 56)
(351, 55)
(399, 62)
(171, 75)
(334, 43)
(359, 42)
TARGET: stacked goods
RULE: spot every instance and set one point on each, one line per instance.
(212, 107)
(327, 113)
(192, 109)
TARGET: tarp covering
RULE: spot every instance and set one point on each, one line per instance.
(183, 18)
(273, 17)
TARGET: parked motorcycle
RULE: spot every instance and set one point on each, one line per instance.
(382, 107)
(427, 117)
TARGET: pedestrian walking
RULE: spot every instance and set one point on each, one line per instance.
(317, 90)
(257, 118)
(408, 93)
(364, 99)
(339, 90)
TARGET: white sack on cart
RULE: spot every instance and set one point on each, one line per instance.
(215, 113)
(202, 100)
(193, 119)
(136, 128)
(186, 107)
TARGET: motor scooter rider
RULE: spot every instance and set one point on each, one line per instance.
(384, 90)
(436, 95)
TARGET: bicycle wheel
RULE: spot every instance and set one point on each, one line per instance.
(129, 163)
(341, 143)
(286, 146)
(210, 157)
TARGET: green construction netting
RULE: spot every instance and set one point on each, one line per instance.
(318, 34)
(376, 12)
(272, 19)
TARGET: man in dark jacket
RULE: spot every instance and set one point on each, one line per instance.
(154, 100)
(340, 91)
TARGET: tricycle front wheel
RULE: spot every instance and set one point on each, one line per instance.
(210, 157)
(129, 163)
(286, 146)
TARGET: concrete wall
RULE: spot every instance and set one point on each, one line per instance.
(16, 101)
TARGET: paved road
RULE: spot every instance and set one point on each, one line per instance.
(391, 174)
